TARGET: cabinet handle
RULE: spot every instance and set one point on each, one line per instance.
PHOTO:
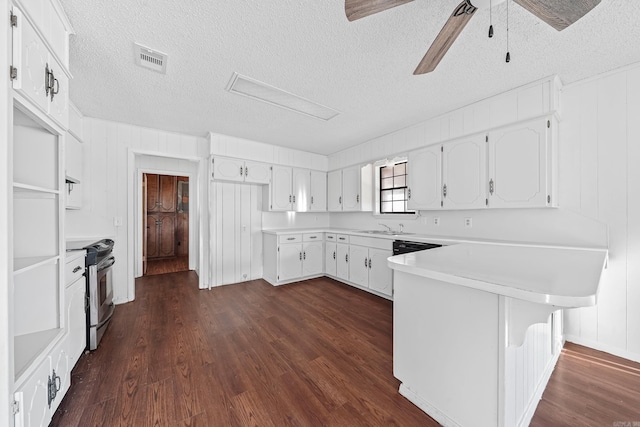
(365, 263)
(334, 254)
(78, 268)
(491, 186)
(289, 198)
(294, 198)
(342, 238)
(246, 171)
(304, 255)
(369, 263)
(57, 89)
(340, 200)
(47, 79)
(409, 194)
(241, 170)
(311, 199)
(300, 256)
(444, 191)
(358, 198)
(346, 258)
(313, 237)
(291, 238)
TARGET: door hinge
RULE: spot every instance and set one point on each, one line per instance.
(13, 73)
(15, 407)
(13, 19)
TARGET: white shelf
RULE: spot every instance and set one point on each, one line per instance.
(19, 187)
(22, 265)
(30, 348)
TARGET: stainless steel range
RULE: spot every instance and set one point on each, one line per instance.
(99, 273)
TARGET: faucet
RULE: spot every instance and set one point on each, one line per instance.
(401, 228)
(388, 228)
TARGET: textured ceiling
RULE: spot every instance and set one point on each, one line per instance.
(362, 69)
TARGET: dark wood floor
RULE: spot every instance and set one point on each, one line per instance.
(167, 265)
(307, 354)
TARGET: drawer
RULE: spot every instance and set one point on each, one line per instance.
(290, 238)
(342, 238)
(312, 237)
(74, 266)
(330, 237)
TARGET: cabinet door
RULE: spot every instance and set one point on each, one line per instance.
(359, 267)
(351, 189)
(289, 262)
(312, 257)
(60, 364)
(74, 196)
(31, 57)
(74, 151)
(227, 169)
(334, 191)
(257, 173)
(153, 225)
(33, 398)
(59, 105)
(518, 166)
(301, 190)
(380, 275)
(342, 263)
(167, 235)
(318, 202)
(424, 178)
(153, 190)
(330, 257)
(281, 194)
(75, 320)
(168, 194)
(464, 173)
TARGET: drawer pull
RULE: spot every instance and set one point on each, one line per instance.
(291, 238)
(78, 268)
(313, 237)
(342, 238)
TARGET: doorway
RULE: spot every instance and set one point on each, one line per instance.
(165, 219)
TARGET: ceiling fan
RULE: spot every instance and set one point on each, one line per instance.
(557, 13)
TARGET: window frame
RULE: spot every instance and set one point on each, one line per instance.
(378, 190)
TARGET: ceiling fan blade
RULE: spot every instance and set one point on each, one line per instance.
(448, 34)
(356, 9)
(559, 13)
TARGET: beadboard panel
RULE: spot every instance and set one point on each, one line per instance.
(236, 239)
(105, 188)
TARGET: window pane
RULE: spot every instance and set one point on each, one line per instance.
(387, 183)
(386, 172)
(398, 206)
(400, 181)
(398, 194)
(386, 207)
(386, 195)
(399, 169)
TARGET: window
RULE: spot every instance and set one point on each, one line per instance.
(393, 189)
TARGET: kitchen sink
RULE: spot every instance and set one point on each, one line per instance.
(385, 232)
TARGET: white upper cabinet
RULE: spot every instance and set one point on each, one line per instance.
(301, 189)
(238, 170)
(318, 199)
(520, 172)
(281, 194)
(351, 189)
(464, 173)
(334, 191)
(425, 178)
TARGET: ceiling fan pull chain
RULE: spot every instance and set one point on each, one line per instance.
(508, 57)
(490, 20)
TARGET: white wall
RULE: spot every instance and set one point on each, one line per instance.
(601, 135)
(105, 185)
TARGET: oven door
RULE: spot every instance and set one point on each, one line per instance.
(101, 291)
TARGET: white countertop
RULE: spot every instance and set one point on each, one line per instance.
(562, 277)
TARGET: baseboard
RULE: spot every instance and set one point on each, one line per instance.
(427, 407)
(537, 394)
(635, 357)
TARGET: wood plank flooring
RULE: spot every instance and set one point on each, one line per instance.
(313, 353)
(167, 265)
(307, 354)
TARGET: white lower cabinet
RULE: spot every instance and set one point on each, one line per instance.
(342, 261)
(291, 257)
(359, 268)
(369, 268)
(32, 398)
(75, 319)
(330, 257)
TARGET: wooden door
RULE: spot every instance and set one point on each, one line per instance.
(153, 189)
(153, 224)
(167, 235)
(167, 195)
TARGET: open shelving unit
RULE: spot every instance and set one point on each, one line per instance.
(37, 242)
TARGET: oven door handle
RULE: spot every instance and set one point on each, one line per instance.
(106, 263)
(108, 317)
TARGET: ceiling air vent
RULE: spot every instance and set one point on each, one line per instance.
(260, 91)
(151, 59)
